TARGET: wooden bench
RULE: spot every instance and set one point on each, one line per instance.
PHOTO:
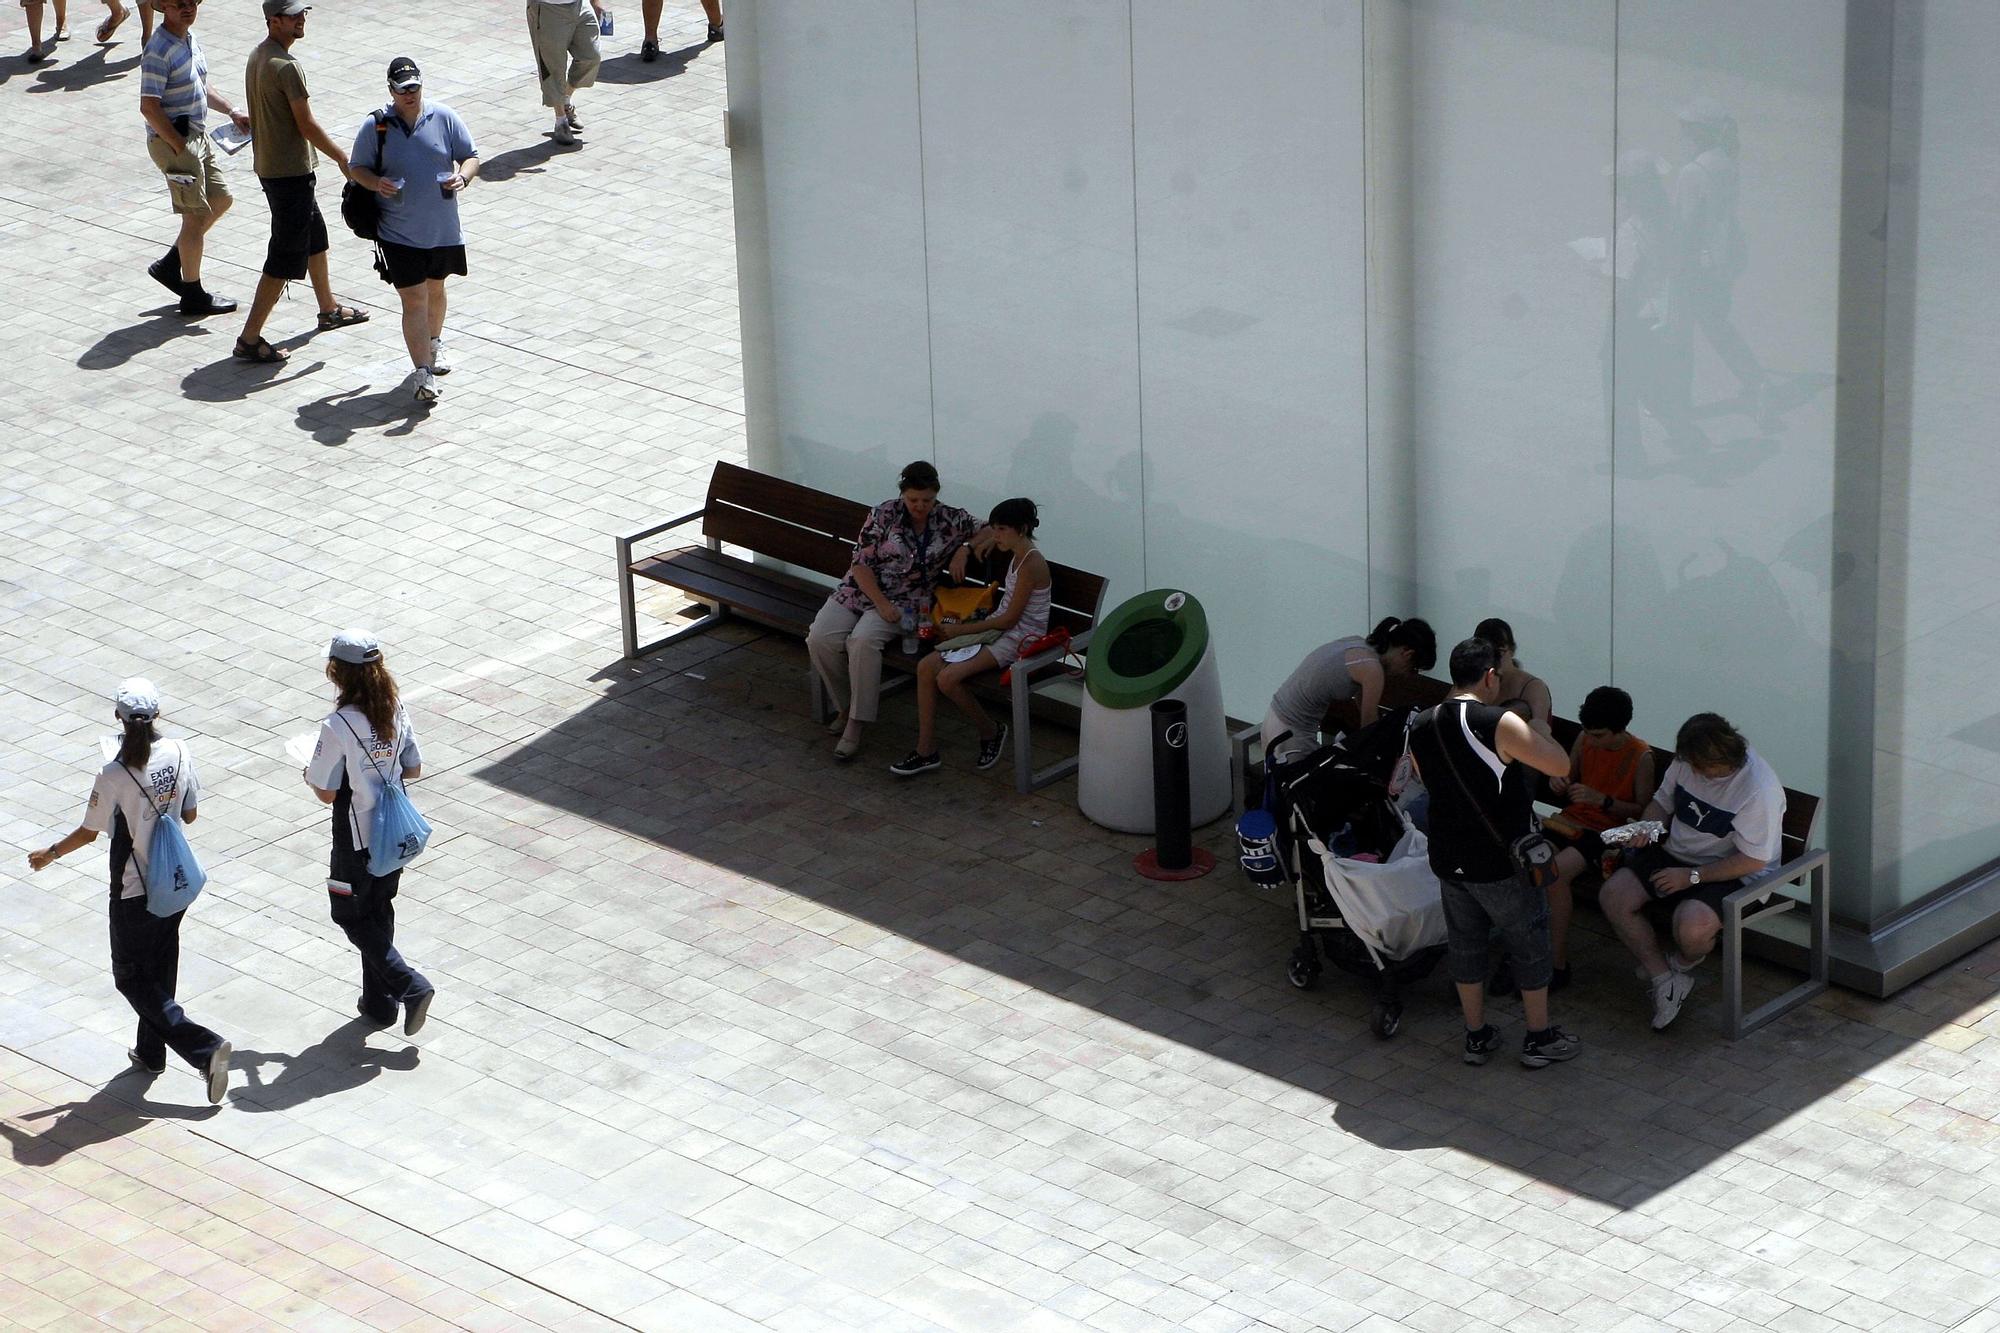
(1764, 896)
(813, 531)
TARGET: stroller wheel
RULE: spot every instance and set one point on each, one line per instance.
(1388, 1016)
(1304, 968)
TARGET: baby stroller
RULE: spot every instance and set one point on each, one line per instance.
(1379, 918)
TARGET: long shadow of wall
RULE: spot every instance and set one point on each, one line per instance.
(705, 751)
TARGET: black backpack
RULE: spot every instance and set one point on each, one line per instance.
(360, 207)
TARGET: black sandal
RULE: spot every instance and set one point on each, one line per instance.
(341, 316)
(261, 352)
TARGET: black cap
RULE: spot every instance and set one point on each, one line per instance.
(403, 73)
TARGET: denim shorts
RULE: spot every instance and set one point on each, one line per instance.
(1511, 908)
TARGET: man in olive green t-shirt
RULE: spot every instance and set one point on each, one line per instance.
(283, 134)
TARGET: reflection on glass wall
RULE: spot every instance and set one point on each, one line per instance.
(1457, 308)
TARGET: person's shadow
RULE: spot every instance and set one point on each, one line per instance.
(88, 72)
(232, 381)
(114, 1110)
(634, 68)
(340, 1061)
(516, 161)
(162, 325)
(337, 417)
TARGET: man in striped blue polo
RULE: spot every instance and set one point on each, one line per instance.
(174, 98)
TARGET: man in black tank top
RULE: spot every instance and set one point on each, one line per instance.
(1470, 753)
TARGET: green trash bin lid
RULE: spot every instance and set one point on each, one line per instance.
(1142, 651)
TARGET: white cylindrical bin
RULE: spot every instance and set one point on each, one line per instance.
(1155, 646)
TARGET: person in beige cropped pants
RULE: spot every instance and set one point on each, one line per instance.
(566, 56)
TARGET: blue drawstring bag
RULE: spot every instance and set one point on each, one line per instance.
(173, 878)
(397, 834)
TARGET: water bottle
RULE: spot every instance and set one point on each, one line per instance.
(604, 22)
(910, 631)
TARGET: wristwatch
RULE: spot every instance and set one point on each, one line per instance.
(1694, 878)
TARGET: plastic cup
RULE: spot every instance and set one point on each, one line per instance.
(396, 181)
(444, 182)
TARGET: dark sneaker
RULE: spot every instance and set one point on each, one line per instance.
(1480, 1045)
(416, 1012)
(137, 1063)
(715, 32)
(198, 303)
(990, 751)
(913, 763)
(649, 52)
(166, 270)
(218, 1073)
(1549, 1047)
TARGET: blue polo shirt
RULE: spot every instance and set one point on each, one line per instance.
(422, 217)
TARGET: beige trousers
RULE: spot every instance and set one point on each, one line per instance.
(566, 51)
(846, 649)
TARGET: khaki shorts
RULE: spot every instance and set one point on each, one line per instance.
(197, 165)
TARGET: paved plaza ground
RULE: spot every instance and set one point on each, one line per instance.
(728, 1037)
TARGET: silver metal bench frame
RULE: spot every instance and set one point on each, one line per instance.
(628, 609)
(1756, 901)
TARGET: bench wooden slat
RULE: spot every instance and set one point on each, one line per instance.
(761, 593)
(801, 505)
(820, 552)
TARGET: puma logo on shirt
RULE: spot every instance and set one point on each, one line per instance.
(1709, 819)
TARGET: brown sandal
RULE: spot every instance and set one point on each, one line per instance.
(260, 352)
(341, 316)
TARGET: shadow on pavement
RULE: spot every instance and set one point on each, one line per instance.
(631, 68)
(338, 1062)
(162, 325)
(338, 417)
(231, 381)
(113, 1111)
(505, 166)
(705, 751)
(88, 72)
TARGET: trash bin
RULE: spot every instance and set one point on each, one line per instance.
(1155, 646)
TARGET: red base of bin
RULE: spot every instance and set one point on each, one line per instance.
(1147, 863)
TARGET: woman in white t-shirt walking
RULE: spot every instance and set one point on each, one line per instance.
(365, 742)
(146, 782)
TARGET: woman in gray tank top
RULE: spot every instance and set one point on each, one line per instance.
(1351, 668)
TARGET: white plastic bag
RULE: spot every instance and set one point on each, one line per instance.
(1395, 907)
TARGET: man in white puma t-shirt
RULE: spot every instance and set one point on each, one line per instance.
(1725, 810)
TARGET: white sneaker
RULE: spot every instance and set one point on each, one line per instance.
(1670, 991)
(1675, 963)
(438, 366)
(428, 390)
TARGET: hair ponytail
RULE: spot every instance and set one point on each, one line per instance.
(137, 746)
(1413, 634)
(369, 687)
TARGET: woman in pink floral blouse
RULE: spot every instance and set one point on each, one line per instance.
(905, 546)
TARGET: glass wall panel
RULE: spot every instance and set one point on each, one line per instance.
(1727, 255)
(1937, 736)
(843, 193)
(1509, 217)
(1251, 327)
(1027, 179)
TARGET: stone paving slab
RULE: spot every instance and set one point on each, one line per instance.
(730, 1037)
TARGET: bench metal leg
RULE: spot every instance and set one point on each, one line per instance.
(1820, 903)
(1024, 768)
(628, 610)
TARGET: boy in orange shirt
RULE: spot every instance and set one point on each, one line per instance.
(1611, 779)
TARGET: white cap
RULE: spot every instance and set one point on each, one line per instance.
(355, 646)
(137, 698)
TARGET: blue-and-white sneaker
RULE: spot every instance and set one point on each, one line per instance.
(913, 763)
(990, 751)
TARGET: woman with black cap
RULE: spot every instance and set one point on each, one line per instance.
(145, 782)
(365, 743)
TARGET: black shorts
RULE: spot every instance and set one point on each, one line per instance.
(409, 265)
(298, 232)
(1587, 842)
(1645, 862)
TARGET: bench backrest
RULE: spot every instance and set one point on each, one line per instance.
(782, 519)
(814, 530)
(1397, 692)
(1801, 807)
